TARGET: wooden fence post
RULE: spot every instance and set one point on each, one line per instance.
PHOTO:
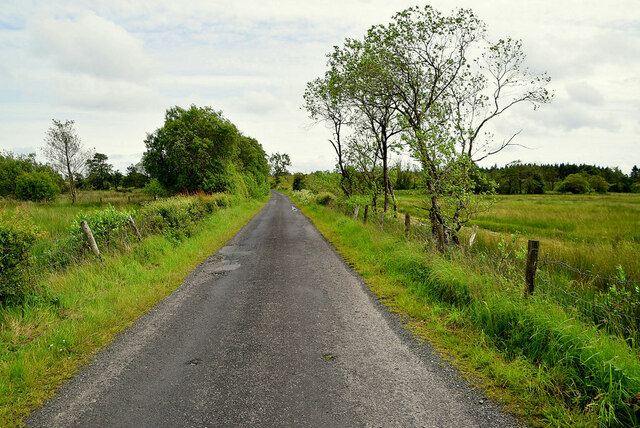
(366, 213)
(381, 220)
(407, 225)
(90, 239)
(532, 264)
(135, 228)
(356, 210)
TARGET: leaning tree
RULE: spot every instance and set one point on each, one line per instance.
(438, 82)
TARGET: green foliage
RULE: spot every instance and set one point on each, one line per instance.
(279, 163)
(326, 198)
(322, 181)
(574, 183)
(200, 150)
(298, 181)
(589, 372)
(154, 188)
(175, 217)
(534, 185)
(106, 225)
(304, 196)
(12, 166)
(100, 172)
(37, 186)
(16, 236)
(598, 183)
(135, 177)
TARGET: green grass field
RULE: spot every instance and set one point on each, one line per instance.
(54, 217)
(594, 233)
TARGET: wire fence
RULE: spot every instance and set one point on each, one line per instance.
(608, 302)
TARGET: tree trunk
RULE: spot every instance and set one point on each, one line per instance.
(385, 172)
(72, 184)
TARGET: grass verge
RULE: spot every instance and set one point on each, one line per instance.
(539, 361)
(46, 340)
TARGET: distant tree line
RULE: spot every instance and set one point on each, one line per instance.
(528, 178)
(196, 150)
(22, 177)
(521, 178)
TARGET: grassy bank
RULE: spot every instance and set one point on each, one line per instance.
(44, 341)
(540, 361)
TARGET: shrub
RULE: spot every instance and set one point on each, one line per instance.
(16, 237)
(574, 183)
(599, 184)
(326, 198)
(36, 186)
(154, 188)
(298, 182)
(304, 197)
(255, 188)
(105, 224)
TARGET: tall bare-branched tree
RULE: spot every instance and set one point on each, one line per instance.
(64, 149)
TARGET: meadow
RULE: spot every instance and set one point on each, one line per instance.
(593, 233)
(54, 217)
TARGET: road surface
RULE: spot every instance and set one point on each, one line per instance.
(274, 330)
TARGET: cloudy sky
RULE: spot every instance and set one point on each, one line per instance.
(115, 67)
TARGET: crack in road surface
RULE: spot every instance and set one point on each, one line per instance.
(275, 330)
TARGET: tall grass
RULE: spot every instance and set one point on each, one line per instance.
(54, 217)
(595, 233)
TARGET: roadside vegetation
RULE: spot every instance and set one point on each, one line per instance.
(51, 333)
(428, 86)
(543, 360)
(62, 298)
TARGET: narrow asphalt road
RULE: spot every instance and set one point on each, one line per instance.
(273, 330)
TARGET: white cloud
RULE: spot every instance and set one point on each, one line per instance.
(88, 43)
(583, 92)
(115, 66)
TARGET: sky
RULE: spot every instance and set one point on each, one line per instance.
(115, 66)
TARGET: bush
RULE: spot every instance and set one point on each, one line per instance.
(574, 183)
(326, 198)
(298, 182)
(304, 197)
(16, 237)
(599, 184)
(154, 188)
(36, 186)
(105, 225)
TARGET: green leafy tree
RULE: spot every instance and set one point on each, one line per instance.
(116, 179)
(135, 177)
(279, 163)
(198, 149)
(574, 183)
(66, 152)
(11, 167)
(439, 82)
(598, 184)
(37, 186)
(100, 171)
(298, 181)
